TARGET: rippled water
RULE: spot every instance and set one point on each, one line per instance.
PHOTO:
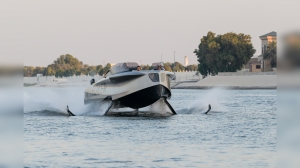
(240, 131)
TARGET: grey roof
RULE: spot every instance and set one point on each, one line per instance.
(269, 34)
(255, 63)
(252, 60)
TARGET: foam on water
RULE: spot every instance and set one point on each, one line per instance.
(57, 99)
(54, 99)
(214, 97)
(95, 109)
(42, 101)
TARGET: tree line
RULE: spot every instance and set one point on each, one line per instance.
(67, 65)
(170, 67)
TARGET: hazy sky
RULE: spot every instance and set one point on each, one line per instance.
(95, 31)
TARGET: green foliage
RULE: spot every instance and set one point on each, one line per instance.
(64, 66)
(271, 53)
(59, 73)
(105, 69)
(193, 67)
(145, 67)
(67, 65)
(99, 68)
(33, 71)
(28, 71)
(179, 67)
(223, 53)
(168, 66)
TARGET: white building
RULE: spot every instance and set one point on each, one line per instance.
(186, 61)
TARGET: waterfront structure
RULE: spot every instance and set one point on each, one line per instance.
(253, 64)
(265, 40)
(257, 63)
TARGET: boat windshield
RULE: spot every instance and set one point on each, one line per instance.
(123, 67)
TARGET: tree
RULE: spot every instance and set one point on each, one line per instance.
(99, 68)
(145, 67)
(28, 71)
(105, 69)
(223, 53)
(59, 73)
(270, 53)
(67, 65)
(50, 71)
(178, 67)
(168, 66)
(91, 70)
(193, 67)
(38, 70)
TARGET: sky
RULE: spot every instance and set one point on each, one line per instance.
(97, 31)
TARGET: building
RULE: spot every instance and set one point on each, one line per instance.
(253, 64)
(255, 67)
(186, 61)
(257, 63)
(265, 40)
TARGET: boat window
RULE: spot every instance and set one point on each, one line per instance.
(154, 77)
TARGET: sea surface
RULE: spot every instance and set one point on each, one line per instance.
(239, 131)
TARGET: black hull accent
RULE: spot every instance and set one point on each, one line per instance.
(69, 112)
(144, 97)
(170, 107)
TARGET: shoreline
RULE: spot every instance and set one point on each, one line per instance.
(210, 82)
(176, 87)
(228, 87)
(232, 83)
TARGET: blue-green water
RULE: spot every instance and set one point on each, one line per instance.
(240, 131)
